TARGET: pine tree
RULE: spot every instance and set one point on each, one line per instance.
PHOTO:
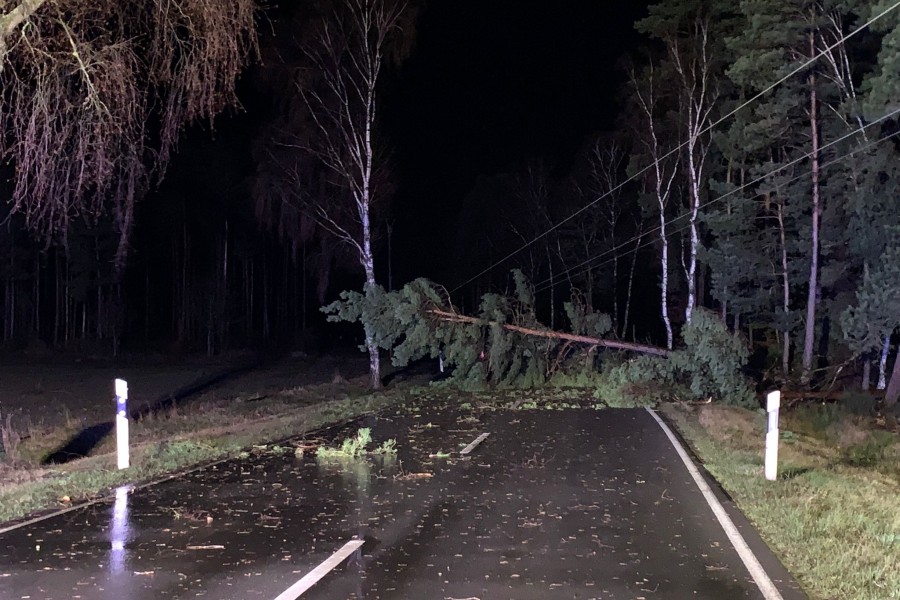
(876, 312)
(882, 86)
(785, 132)
(503, 345)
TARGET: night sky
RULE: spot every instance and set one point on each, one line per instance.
(487, 87)
(490, 85)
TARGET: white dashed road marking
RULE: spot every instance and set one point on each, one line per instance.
(313, 577)
(474, 443)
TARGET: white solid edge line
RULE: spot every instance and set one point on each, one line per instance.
(313, 577)
(55, 513)
(763, 582)
(474, 443)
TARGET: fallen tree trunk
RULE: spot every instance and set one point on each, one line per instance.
(547, 333)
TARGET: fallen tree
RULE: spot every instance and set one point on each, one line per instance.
(454, 317)
(503, 344)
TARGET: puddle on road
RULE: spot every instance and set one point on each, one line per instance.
(120, 531)
(552, 504)
(584, 513)
(237, 529)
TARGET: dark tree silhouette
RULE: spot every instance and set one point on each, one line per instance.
(95, 94)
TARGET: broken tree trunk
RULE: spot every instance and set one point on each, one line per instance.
(549, 333)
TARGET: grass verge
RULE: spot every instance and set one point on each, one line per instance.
(174, 440)
(832, 516)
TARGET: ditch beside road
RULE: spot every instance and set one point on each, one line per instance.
(180, 421)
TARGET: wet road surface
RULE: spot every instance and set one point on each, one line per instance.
(577, 503)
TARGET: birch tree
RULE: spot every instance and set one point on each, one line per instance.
(662, 173)
(348, 55)
(838, 69)
(697, 102)
(812, 293)
(605, 163)
(684, 28)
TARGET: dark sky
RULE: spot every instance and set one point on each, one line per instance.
(491, 84)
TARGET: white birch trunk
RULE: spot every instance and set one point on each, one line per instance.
(866, 374)
(695, 167)
(369, 267)
(812, 295)
(367, 257)
(663, 186)
(697, 102)
(785, 293)
(631, 281)
(664, 263)
(882, 363)
(695, 241)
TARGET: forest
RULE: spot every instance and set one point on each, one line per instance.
(745, 185)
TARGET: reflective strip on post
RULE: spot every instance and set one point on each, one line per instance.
(773, 403)
(122, 423)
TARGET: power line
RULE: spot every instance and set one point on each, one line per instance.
(726, 195)
(718, 122)
(547, 284)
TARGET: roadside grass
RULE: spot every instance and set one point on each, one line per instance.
(832, 516)
(175, 439)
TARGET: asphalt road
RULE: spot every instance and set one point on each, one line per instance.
(577, 503)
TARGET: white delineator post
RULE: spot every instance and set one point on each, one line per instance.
(773, 403)
(122, 422)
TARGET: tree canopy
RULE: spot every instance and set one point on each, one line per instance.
(96, 93)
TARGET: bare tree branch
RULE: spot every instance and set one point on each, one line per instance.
(347, 56)
(11, 20)
(83, 82)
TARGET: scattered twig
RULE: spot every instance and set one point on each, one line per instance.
(413, 476)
